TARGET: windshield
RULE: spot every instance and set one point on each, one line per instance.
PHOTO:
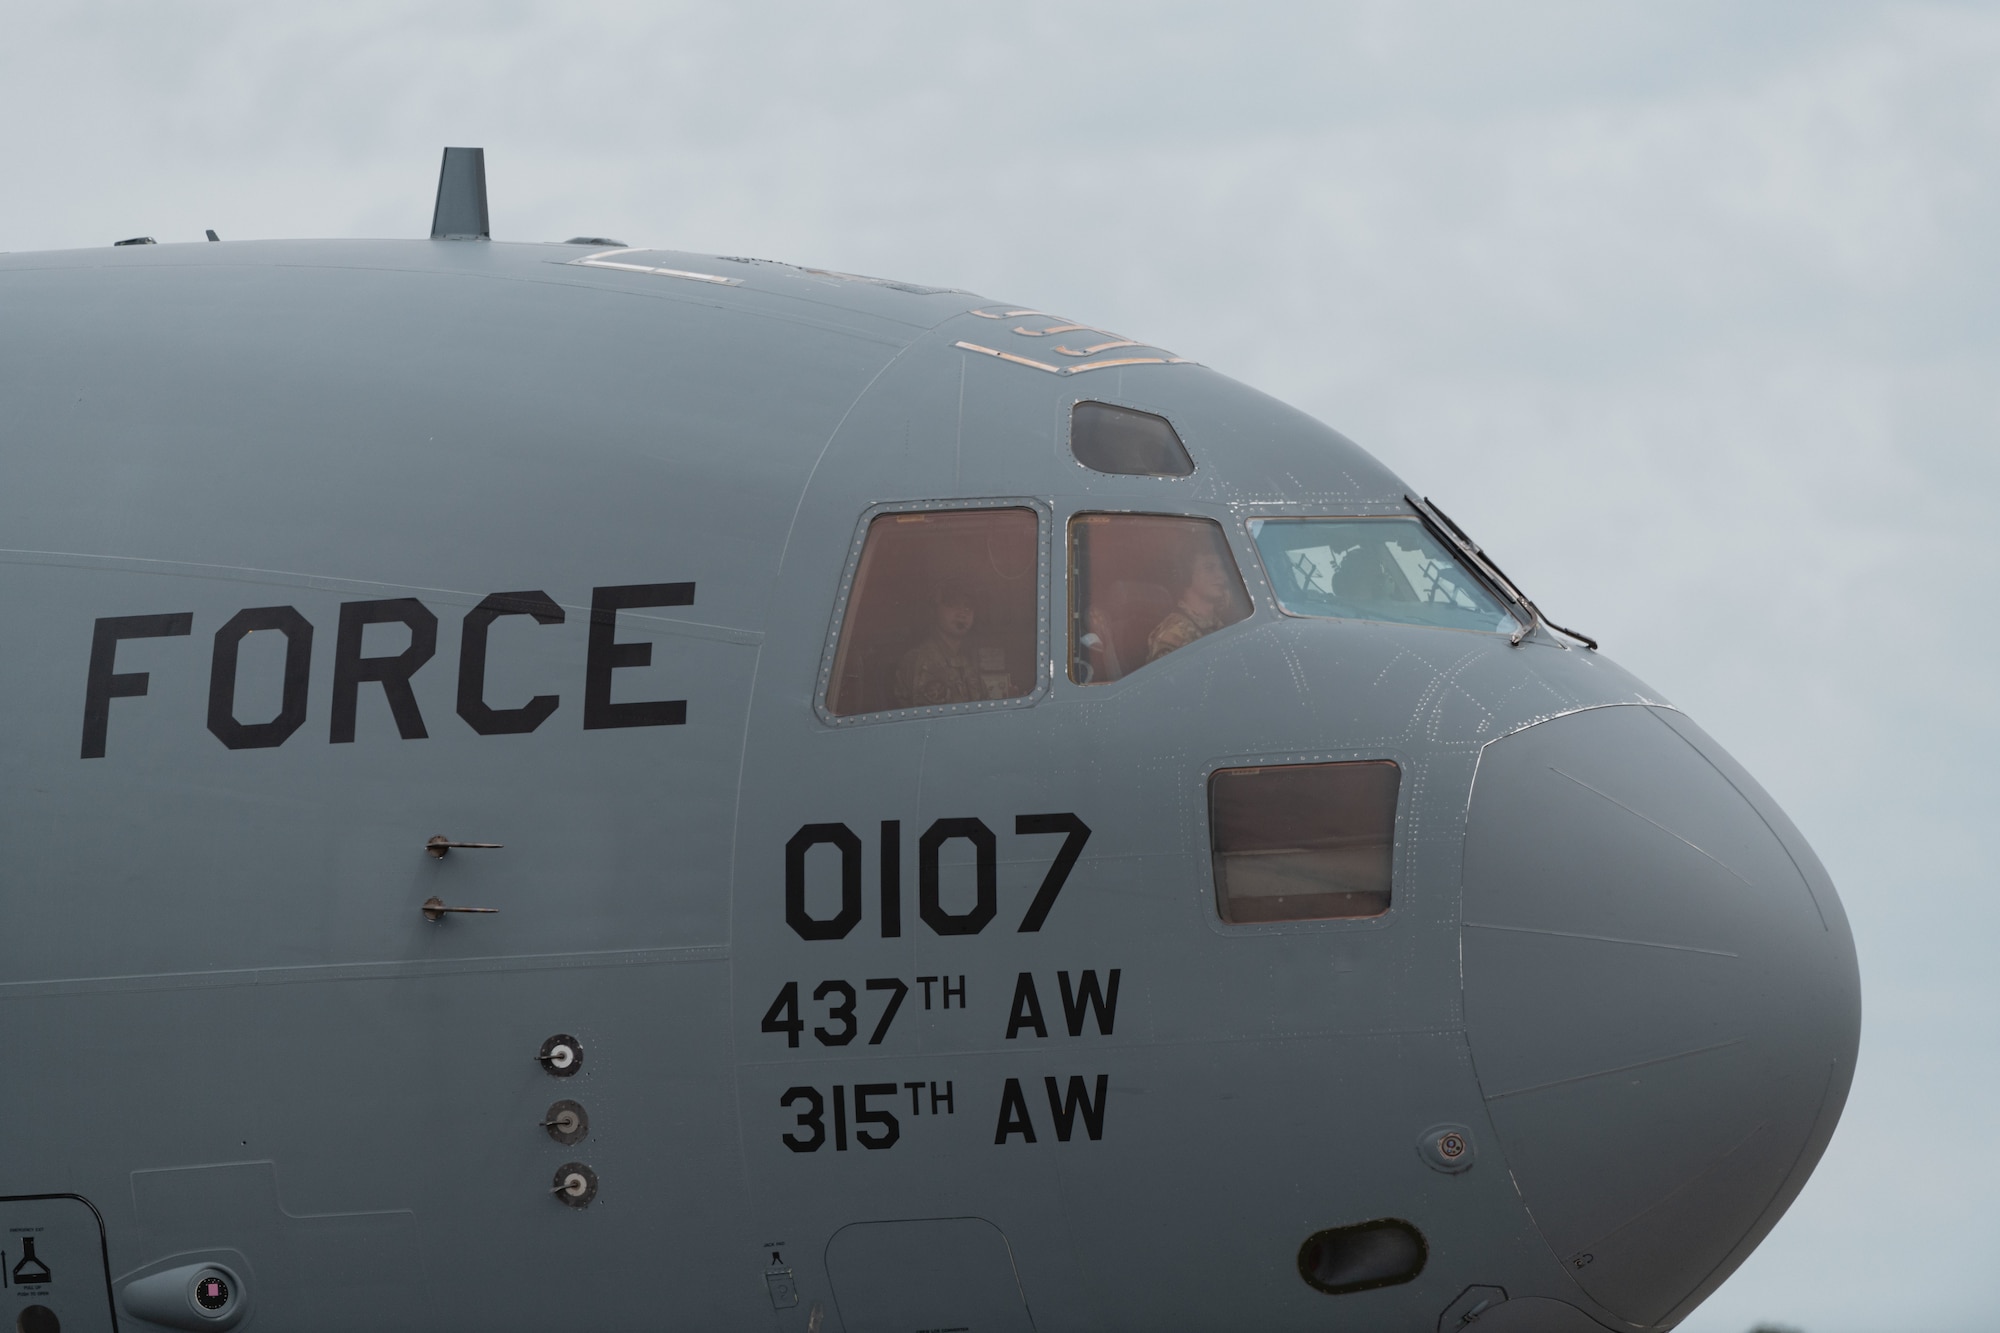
(1389, 569)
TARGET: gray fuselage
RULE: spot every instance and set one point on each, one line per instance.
(1609, 961)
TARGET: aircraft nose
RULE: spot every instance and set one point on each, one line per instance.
(1661, 998)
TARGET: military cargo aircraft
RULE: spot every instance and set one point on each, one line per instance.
(572, 786)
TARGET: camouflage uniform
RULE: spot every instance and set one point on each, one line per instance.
(934, 672)
(1180, 628)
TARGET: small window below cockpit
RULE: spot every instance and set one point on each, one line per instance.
(1126, 442)
(1390, 569)
(943, 611)
(1142, 586)
(1303, 842)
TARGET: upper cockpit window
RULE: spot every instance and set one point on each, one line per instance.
(1143, 585)
(1389, 569)
(943, 611)
(1126, 443)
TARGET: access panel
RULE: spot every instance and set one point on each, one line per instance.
(54, 1276)
(931, 1273)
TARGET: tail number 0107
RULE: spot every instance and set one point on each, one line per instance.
(930, 847)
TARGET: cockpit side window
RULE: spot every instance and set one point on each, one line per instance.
(1126, 442)
(1144, 585)
(943, 611)
(1389, 569)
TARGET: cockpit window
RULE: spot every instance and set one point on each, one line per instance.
(1303, 842)
(1389, 569)
(1142, 586)
(943, 611)
(1126, 442)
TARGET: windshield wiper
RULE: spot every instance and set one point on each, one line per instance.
(1452, 535)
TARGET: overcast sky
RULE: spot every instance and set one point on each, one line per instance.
(1687, 311)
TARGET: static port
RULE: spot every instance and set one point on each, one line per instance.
(567, 1122)
(575, 1184)
(561, 1055)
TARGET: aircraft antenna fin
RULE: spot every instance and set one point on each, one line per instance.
(461, 200)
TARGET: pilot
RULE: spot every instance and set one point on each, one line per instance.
(1099, 659)
(1368, 576)
(938, 668)
(1202, 608)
